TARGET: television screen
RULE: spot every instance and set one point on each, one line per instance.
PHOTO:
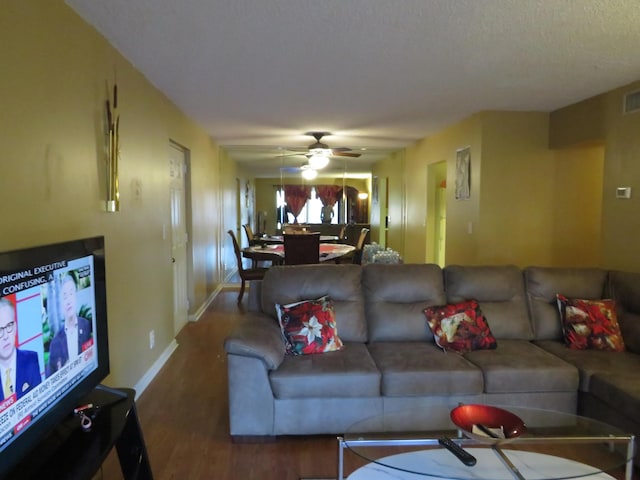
(53, 338)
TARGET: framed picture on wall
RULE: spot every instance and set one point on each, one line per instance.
(463, 176)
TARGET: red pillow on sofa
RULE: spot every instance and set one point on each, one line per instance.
(309, 327)
(460, 327)
(590, 324)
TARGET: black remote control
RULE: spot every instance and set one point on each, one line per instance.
(464, 456)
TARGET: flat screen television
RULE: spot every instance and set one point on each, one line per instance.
(53, 339)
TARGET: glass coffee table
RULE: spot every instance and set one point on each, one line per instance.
(554, 446)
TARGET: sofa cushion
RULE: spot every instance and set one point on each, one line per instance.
(420, 368)
(294, 283)
(350, 372)
(396, 296)
(592, 362)
(625, 288)
(590, 324)
(619, 391)
(460, 327)
(520, 366)
(500, 292)
(309, 327)
(544, 283)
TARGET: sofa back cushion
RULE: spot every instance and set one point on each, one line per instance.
(625, 289)
(543, 283)
(294, 283)
(500, 292)
(395, 296)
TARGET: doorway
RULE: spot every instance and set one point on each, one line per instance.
(178, 185)
(436, 234)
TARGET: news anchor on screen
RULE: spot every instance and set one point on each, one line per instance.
(19, 369)
(75, 335)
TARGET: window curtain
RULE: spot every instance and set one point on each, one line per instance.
(296, 197)
(329, 194)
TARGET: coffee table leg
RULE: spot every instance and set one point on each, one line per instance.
(340, 458)
(628, 475)
(508, 463)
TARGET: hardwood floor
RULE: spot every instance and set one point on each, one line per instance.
(183, 414)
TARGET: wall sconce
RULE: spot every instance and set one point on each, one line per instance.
(113, 152)
(363, 195)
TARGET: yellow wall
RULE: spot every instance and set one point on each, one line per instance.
(52, 187)
(516, 191)
(577, 206)
(618, 133)
(620, 225)
(528, 204)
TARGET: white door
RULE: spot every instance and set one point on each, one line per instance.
(179, 238)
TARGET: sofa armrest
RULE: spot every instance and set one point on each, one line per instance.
(260, 337)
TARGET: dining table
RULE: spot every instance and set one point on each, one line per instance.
(274, 253)
(276, 239)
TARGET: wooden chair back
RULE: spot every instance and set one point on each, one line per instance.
(246, 274)
(357, 254)
(343, 230)
(236, 250)
(249, 232)
(301, 248)
(362, 238)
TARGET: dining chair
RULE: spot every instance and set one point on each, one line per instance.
(301, 248)
(249, 232)
(343, 230)
(246, 274)
(357, 254)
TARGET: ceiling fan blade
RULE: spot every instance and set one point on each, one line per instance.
(341, 149)
(346, 154)
(291, 169)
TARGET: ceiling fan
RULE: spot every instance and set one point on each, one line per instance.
(318, 155)
(336, 152)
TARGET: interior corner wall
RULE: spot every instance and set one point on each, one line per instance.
(511, 216)
(618, 132)
(460, 245)
(620, 225)
(577, 206)
(52, 187)
(391, 202)
(235, 195)
(515, 225)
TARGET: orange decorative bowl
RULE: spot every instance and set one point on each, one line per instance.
(480, 422)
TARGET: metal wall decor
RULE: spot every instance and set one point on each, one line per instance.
(113, 151)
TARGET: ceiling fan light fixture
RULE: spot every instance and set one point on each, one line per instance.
(309, 173)
(318, 160)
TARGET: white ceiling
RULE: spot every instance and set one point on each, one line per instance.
(377, 74)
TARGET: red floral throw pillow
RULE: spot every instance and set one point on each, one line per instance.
(590, 324)
(309, 327)
(460, 327)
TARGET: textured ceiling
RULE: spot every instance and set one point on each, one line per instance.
(377, 74)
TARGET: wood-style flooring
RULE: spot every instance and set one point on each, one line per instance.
(183, 415)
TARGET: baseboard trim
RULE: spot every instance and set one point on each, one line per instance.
(198, 313)
(146, 379)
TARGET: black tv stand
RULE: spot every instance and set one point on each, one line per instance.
(72, 454)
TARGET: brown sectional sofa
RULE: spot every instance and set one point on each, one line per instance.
(391, 362)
